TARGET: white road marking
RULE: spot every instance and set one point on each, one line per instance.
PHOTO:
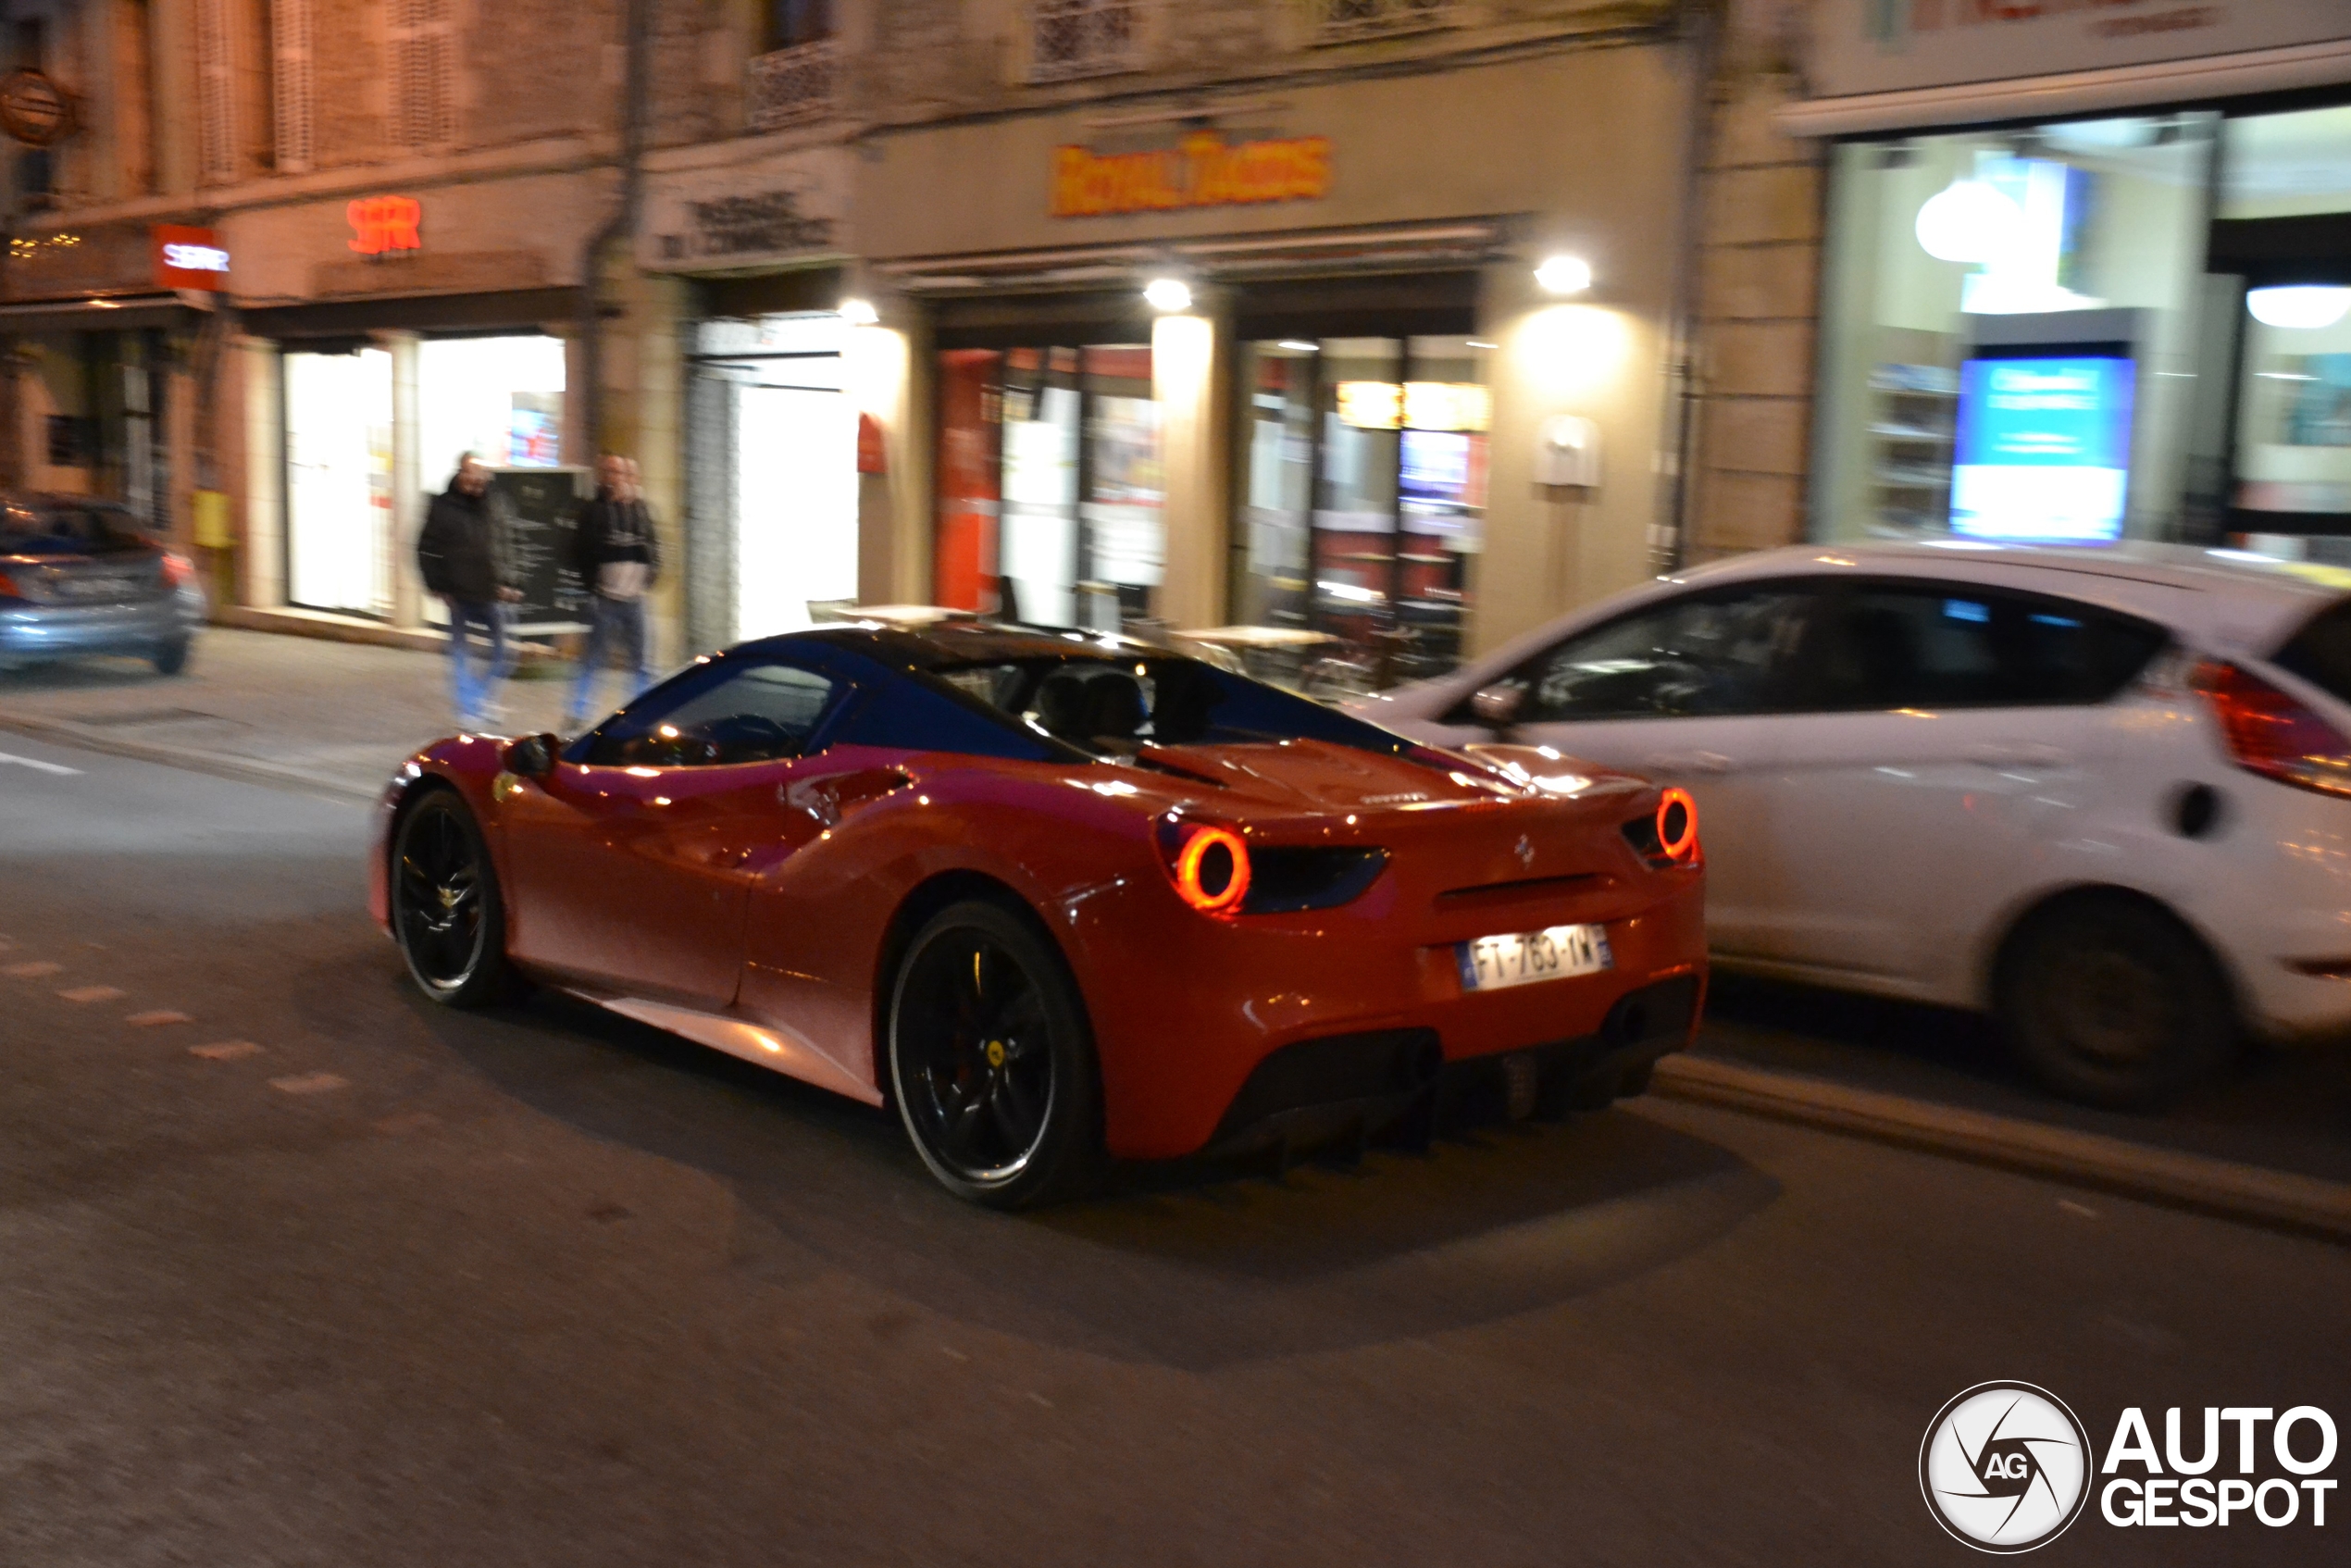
(310, 1083)
(92, 994)
(39, 767)
(32, 971)
(148, 1020)
(2070, 1207)
(225, 1049)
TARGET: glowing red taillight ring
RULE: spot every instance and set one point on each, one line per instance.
(1188, 870)
(1678, 840)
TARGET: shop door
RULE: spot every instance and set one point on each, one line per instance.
(1361, 486)
(796, 533)
(1069, 439)
(339, 524)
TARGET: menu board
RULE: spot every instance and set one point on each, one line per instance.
(545, 503)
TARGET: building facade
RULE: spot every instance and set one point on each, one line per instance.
(417, 217)
(1319, 318)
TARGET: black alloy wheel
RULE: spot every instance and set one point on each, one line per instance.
(170, 658)
(991, 1061)
(446, 911)
(2111, 1000)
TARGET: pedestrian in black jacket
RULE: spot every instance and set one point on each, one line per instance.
(466, 553)
(618, 559)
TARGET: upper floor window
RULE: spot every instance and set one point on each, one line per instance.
(794, 22)
(796, 79)
(1075, 38)
(1342, 21)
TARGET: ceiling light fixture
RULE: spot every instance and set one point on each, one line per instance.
(2299, 307)
(1169, 296)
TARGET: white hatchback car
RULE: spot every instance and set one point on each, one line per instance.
(2104, 793)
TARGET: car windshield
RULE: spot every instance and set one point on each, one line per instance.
(32, 530)
(1113, 707)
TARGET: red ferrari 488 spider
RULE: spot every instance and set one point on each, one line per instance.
(1058, 897)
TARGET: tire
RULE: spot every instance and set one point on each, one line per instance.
(2111, 1000)
(991, 1061)
(446, 912)
(171, 657)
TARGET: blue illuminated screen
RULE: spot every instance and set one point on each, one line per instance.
(2043, 449)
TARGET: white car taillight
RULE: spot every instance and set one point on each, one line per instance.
(2271, 732)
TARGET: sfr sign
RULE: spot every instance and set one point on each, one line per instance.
(380, 225)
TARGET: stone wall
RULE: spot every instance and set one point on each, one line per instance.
(1758, 271)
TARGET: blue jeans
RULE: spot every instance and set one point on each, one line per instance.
(473, 691)
(614, 625)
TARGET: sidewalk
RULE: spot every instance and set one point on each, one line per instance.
(333, 716)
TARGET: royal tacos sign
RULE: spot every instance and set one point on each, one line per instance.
(1202, 170)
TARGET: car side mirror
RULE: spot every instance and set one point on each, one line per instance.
(1496, 706)
(534, 756)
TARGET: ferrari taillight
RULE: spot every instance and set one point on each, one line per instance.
(1677, 825)
(177, 569)
(1668, 836)
(2271, 732)
(1208, 864)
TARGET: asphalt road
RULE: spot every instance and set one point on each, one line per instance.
(405, 1286)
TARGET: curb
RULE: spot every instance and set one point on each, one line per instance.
(2275, 1199)
(322, 626)
(244, 772)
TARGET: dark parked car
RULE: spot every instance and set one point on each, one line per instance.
(81, 577)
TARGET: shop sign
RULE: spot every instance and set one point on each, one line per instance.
(784, 209)
(1202, 170)
(765, 224)
(1886, 46)
(189, 257)
(34, 108)
(382, 225)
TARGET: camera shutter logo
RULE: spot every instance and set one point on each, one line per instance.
(2005, 1467)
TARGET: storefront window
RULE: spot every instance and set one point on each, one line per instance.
(1050, 484)
(2286, 183)
(2010, 340)
(1387, 436)
(501, 399)
(338, 533)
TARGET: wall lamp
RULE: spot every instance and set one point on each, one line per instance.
(859, 313)
(1564, 275)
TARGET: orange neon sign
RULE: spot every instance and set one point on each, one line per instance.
(1202, 170)
(382, 224)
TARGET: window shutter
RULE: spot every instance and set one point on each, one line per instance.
(422, 41)
(290, 41)
(215, 95)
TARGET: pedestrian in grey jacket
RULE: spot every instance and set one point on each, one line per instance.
(618, 559)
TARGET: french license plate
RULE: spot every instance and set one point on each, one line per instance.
(1521, 958)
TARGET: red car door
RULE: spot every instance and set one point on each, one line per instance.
(631, 870)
